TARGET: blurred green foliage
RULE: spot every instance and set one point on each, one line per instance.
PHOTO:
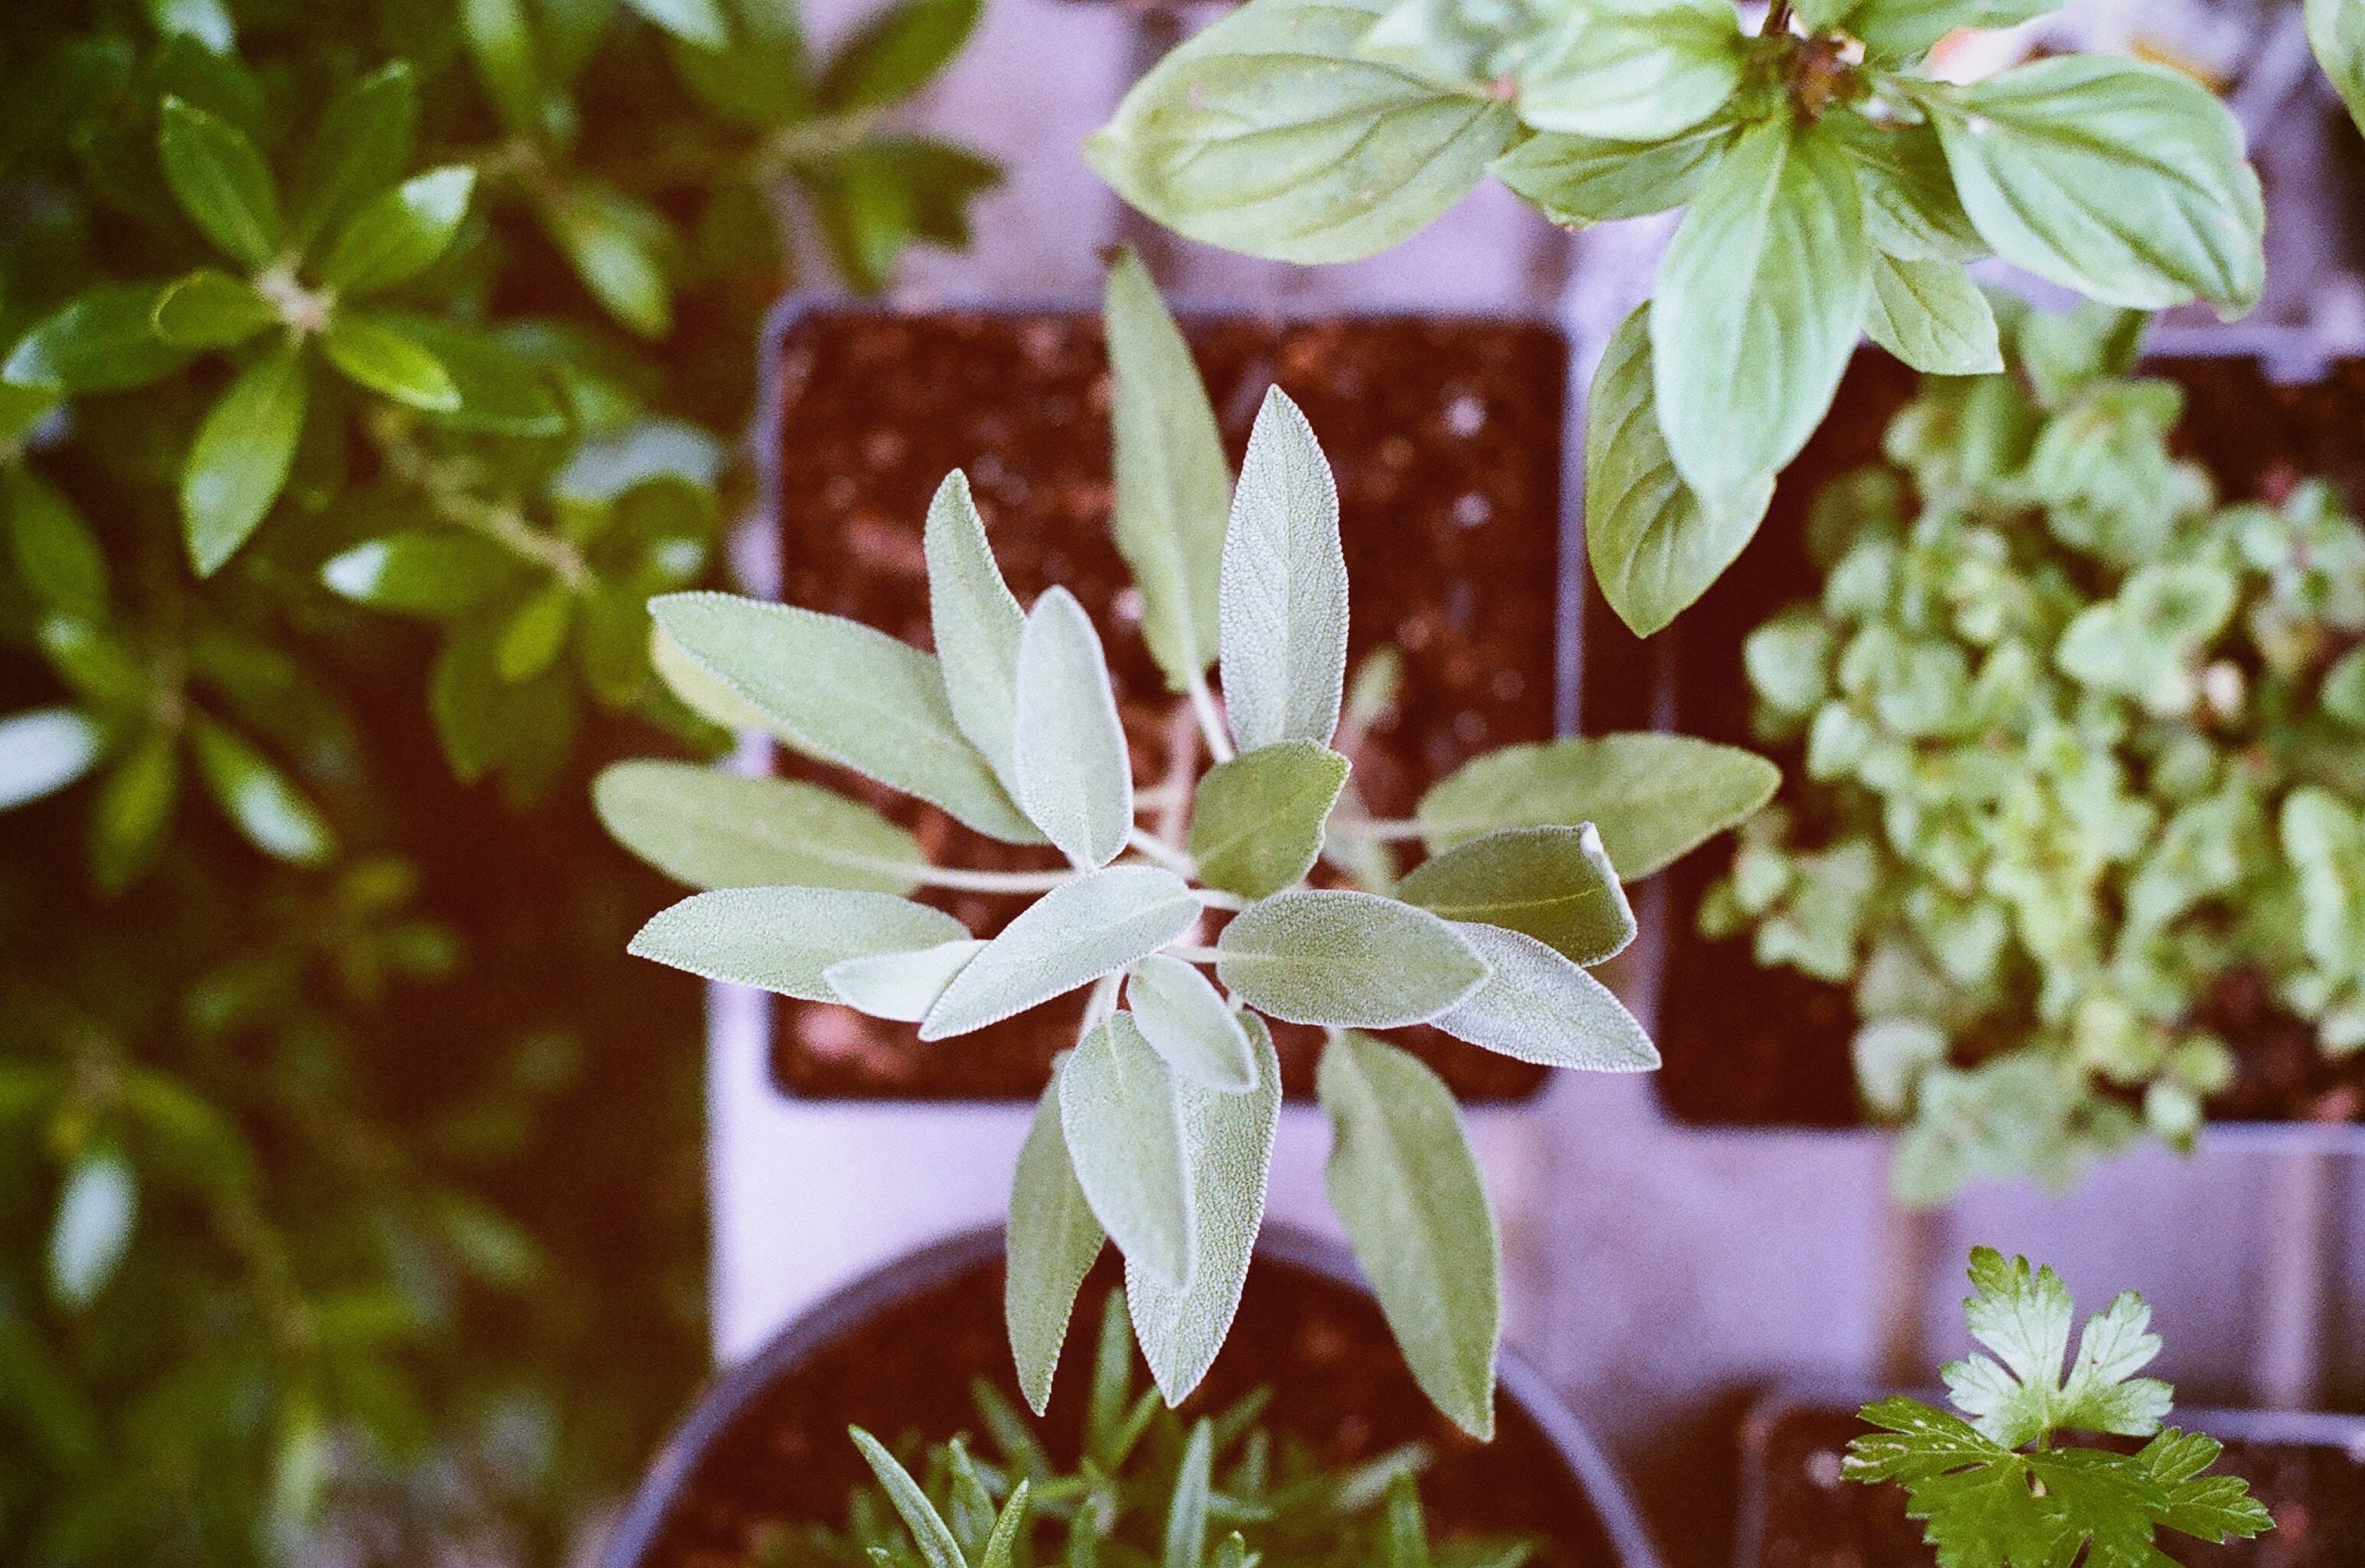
(362, 367)
(2085, 747)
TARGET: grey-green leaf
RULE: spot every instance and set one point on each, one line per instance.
(838, 691)
(2335, 30)
(1123, 1133)
(220, 181)
(1756, 310)
(929, 1531)
(1053, 1239)
(901, 986)
(238, 463)
(783, 939)
(1173, 487)
(1931, 316)
(2122, 180)
(712, 829)
(1283, 589)
(1268, 133)
(1073, 774)
(1555, 883)
(1653, 797)
(1346, 958)
(1654, 545)
(1256, 826)
(1538, 1006)
(1187, 1022)
(1227, 1143)
(1403, 1183)
(1576, 180)
(976, 622)
(1073, 936)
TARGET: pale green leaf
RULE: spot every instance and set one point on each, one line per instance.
(1228, 1145)
(712, 829)
(1403, 1183)
(220, 182)
(43, 750)
(612, 239)
(1555, 884)
(1268, 133)
(976, 622)
(1634, 72)
(1082, 929)
(784, 939)
(2335, 30)
(838, 691)
(1283, 589)
(259, 800)
(534, 634)
(1124, 1134)
(1173, 487)
(1187, 1022)
(1576, 180)
(2121, 179)
(1655, 546)
(1654, 797)
(929, 1531)
(700, 692)
(1538, 1006)
(1910, 209)
(901, 986)
(1009, 1527)
(96, 1211)
(1931, 316)
(211, 310)
(1256, 824)
(1073, 774)
(1756, 309)
(238, 463)
(1186, 1507)
(700, 22)
(1053, 1239)
(398, 234)
(1903, 30)
(441, 572)
(1346, 958)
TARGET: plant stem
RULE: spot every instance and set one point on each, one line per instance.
(1211, 723)
(1390, 831)
(1778, 21)
(1194, 955)
(1216, 897)
(1098, 1005)
(1155, 848)
(974, 881)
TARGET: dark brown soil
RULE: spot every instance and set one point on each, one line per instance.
(1761, 1047)
(1815, 1518)
(1338, 1380)
(1446, 438)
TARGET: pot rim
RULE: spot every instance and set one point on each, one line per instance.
(730, 1391)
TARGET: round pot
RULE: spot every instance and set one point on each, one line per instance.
(896, 1352)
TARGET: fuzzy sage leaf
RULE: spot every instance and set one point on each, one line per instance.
(1256, 824)
(1345, 959)
(1188, 1022)
(712, 829)
(1283, 589)
(901, 986)
(1081, 930)
(1124, 1134)
(1555, 884)
(1070, 762)
(782, 939)
(1053, 1239)
(1538, 1006)
(976, 622)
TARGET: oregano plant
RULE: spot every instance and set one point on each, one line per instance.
(1158, 1127)
(1831, 187)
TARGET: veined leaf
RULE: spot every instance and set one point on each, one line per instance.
(374, 353)
(1256, 824)
(238, 463)
(1654, 544)
(838, 691)
(1931, 316)
(1283, 596)
(1654, 797)
(1228, 1146)
(259, 800)
(1555, 884)
(901, 986)
(976, 622)
(1538, 1006)
(210, 309)
(700, 692)
(1635, 71)
(1188, 1022)
(1576, 180)
(399, 234)
(713, 829)
(1268, 133)
(1173, 487)
(782, 939)
(2122, 180)
(1756, 309)
(1053, 1239)
(1346, 958)
(1069, 756)
(222, 181)
(43, 750)
(929, 1531)
(1403, 1183)
(2335, 30)
(1910, 208)
(1124, 1139)
(1073, 936)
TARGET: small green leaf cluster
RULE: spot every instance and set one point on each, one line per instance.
(1221, 1491)
(1157, 1129)
(2082, 744)
(1991, 1486)
(1831, 185)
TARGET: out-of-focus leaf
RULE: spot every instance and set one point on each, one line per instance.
(374, 352)
(211, 310)
(56, 553)
(241, 458)
(134, 806)
(438, 572)
(258, 798)
(43, 750)
(95, 1214)
(398, 234)
(614, 242)
(361, 146)
(222, 183)
(898, 52)
(701, 22)
(101, 341)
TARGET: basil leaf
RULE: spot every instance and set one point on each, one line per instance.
(1343, 958)
(1187, 1022)
(1073, 936)
(222, 181)
(1538, 1006)
(1757, 307)
(1256, 824)
(1053, 1239)
(1904, 30)
(1555, 884)
(1173, 486)
(1910, 211)
(975, 621)
(2335, 30)
(1577, 179)
(782, 939)
(210, 309)
(399, 234)
(1634, 72)
(1268, 133)
(1124, 1138)
(1075, 776)
(712, 829)
(2122, 180)
(1403, 1183)
(43, 750)
(1283, 597)
(238, 463)
(1931, 316)
(375, 354)
(1655, 546)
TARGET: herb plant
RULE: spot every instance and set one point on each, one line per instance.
(2083, 747)
(1830, 184)
(2336, 30)
(1993, 1487)
(1157, 1129)
(1222, 1491)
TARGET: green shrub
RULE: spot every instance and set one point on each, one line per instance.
(2083, 745)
